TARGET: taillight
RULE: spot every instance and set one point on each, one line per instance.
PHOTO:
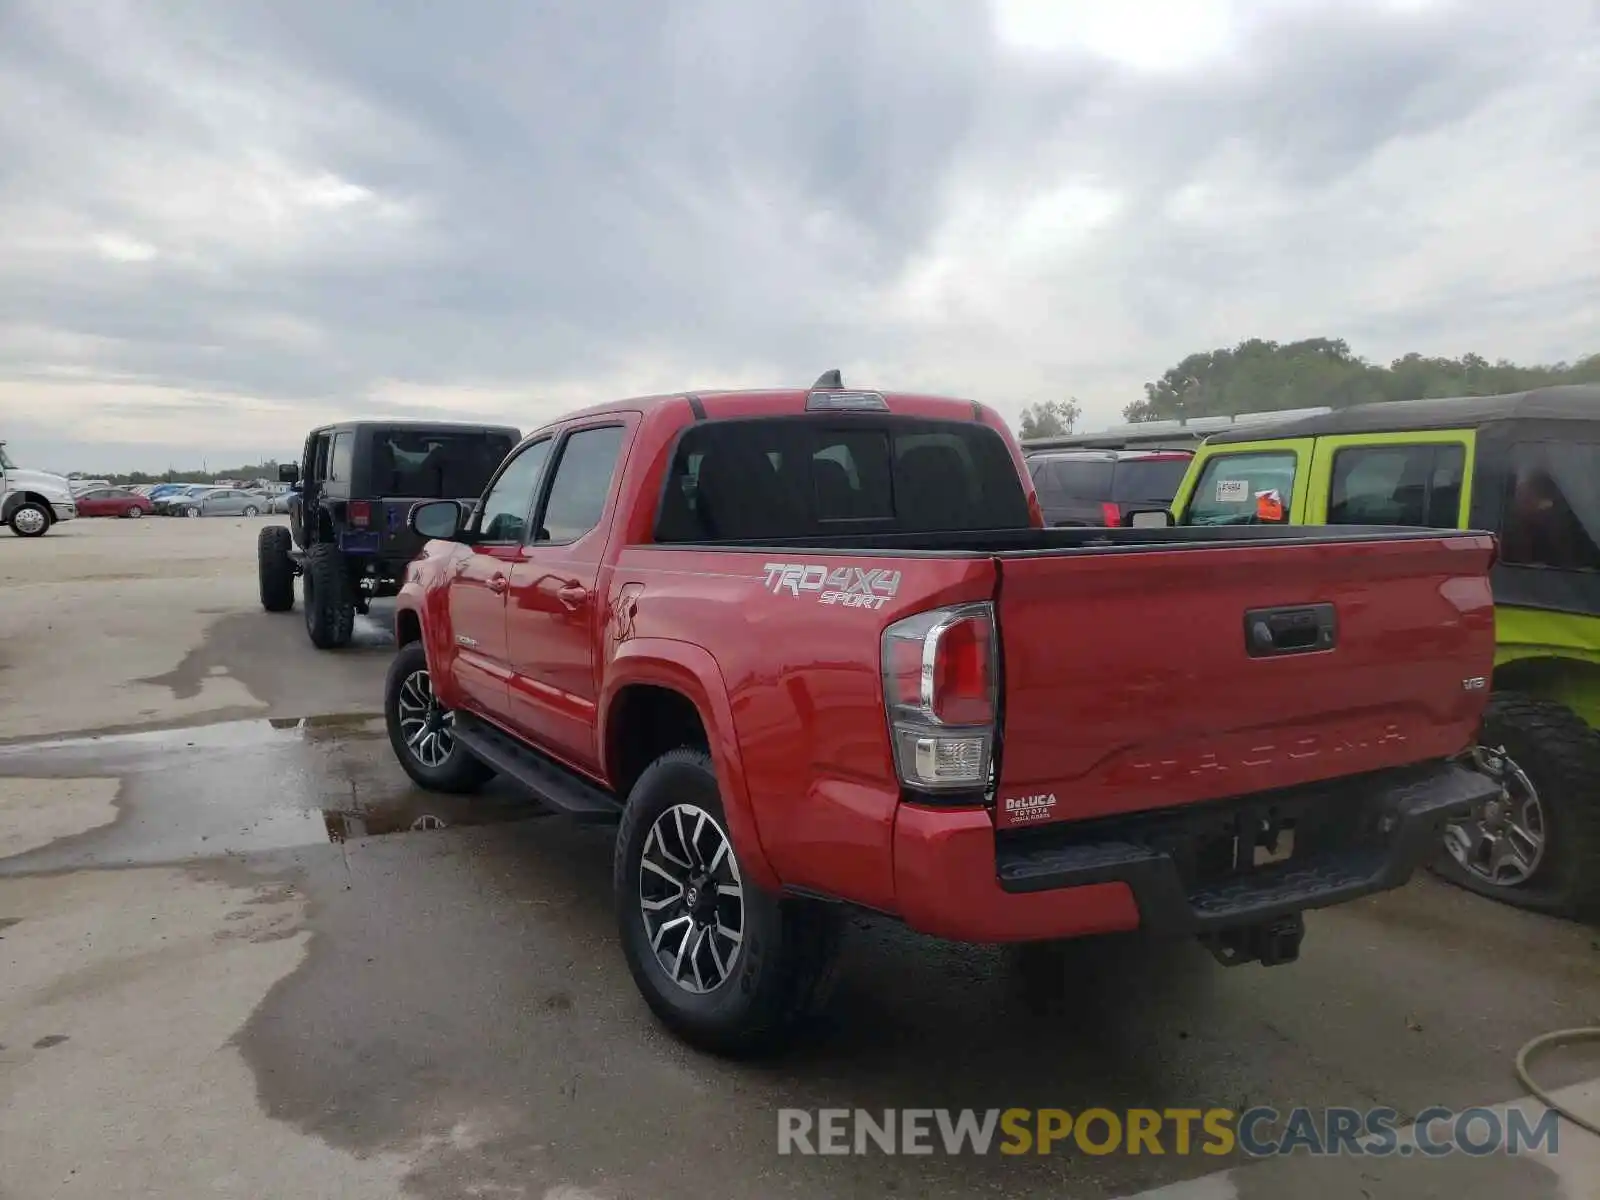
(359, 512)
(1110, 513)
(939, 687)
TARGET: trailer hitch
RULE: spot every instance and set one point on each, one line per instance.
(1271, 943)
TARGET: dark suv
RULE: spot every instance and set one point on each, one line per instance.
(353, 490)
(1096, 487)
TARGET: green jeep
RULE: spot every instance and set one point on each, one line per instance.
(1527, 468)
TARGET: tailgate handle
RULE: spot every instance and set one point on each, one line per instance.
(1298, 629)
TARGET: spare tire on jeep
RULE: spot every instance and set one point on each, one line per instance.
(275, 569)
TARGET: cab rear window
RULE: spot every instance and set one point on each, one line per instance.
(783, 477)
(1243, 489)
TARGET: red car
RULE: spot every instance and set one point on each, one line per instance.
(811, 650)
(112, 502)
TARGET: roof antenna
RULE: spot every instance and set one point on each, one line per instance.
(829, 380)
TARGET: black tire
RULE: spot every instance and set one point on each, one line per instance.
(460, 771)
(786, 953)
(250, 510)
(30, 520)
(275, 569)
(330, 607)
(136, 511)
(1560, 754)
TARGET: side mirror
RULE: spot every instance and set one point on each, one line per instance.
(440, 519)
(1149, 518)
(288, 473)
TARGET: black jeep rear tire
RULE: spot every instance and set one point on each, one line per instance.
(329, 599)
(1560, 756)
(275, 569)
(783, 961)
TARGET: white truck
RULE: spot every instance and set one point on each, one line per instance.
(32, 501)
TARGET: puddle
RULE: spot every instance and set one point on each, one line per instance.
(244, 787)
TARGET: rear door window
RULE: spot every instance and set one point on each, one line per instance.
(1064, 479)
(1398, 485)
(1152, 480)
(1239, 489)
(1553, 506)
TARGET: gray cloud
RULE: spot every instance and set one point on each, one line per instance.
(293, 208)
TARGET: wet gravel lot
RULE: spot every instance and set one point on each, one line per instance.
(240, 955)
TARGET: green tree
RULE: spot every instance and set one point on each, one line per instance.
(1053, 418)
(1262, 376)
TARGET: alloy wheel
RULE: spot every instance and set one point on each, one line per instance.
(29, 521)
(427, 727)
(692, 899)
(1502, 841)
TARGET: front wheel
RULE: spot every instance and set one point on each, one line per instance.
(191, 512)
(725, 965)
(136, 512)
(1537, 844)
(422, 731)
(29, 520)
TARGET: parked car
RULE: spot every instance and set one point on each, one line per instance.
(810, 647)
(1095, 487)
(1527, 467)
(113, 502)
(216, 502)
(31, 502)
(169, 502)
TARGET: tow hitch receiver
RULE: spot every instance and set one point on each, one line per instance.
(1270, 943)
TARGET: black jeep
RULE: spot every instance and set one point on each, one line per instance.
(353, 490)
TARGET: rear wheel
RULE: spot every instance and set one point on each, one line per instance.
(422, 731)
(275, 569)
(29, 519)
(251, 510)
(726, 966)
(329, 602)
(1537, 844)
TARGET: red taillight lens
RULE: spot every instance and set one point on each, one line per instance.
(963, 687)
(359, 512)
(1110, 513)
(939, 686)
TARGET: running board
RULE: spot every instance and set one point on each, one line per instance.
(555, 785)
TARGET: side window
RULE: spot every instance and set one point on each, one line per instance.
(581, 484)
(504, 513)
(1553, 510)
(318, 458)
(339, 461)
(1239, 489)
(850, 474)
(1397, 485)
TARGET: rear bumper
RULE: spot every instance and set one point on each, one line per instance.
(954, 878)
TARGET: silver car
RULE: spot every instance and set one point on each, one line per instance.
(218, 502)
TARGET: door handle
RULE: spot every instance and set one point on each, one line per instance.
(497, 584)
(572, 594)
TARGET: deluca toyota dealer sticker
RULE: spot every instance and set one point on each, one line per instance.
(1021, 809)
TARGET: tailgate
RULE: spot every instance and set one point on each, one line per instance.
(394, 536)
(1130, 682)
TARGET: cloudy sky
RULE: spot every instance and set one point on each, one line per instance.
(223, 221)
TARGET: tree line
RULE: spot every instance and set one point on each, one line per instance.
(1259, 375)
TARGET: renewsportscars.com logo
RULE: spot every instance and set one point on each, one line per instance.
(1261, 1132)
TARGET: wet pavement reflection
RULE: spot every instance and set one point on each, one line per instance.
(244, 787)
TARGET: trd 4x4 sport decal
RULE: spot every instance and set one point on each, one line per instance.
(848, 587)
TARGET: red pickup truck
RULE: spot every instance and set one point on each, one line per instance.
(814, 646)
